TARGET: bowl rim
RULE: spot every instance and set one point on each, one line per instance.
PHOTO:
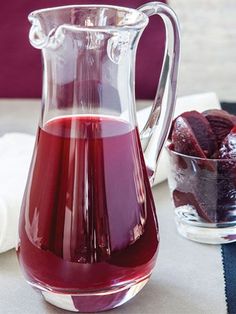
(171, 151)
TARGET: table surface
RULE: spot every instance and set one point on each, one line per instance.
(188, 277)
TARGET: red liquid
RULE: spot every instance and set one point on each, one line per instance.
(88, 219)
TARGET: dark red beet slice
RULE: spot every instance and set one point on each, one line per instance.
(187, 198)
(221, 123)
(211, 189)
(198, 190)
(196, 185)
(171, 130)
(227, 154)
(202, 131)
(227, 177)
(226, 198)
(184, 140)
(228, 147)
(177, 159)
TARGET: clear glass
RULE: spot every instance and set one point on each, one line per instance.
(204, 197)
(88, 229)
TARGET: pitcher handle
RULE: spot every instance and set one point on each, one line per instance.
(156, 129)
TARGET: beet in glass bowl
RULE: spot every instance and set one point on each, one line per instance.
(204, 196)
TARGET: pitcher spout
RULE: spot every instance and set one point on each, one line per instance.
(41, 37)
(49, 25)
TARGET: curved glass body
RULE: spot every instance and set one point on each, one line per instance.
(88, 230)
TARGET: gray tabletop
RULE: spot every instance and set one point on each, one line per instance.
(188, 277)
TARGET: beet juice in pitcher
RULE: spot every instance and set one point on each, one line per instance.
(88, 230)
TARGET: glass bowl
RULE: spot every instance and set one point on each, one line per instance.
(203, 192)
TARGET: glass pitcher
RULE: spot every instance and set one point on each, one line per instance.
(88, 234)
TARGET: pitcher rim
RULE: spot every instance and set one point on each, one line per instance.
(141, 23)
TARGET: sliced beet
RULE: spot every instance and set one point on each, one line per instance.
(184, 140)
(204, 210)
(226, 198)
(227, 177)
(177, 159)
(228, 146)
(211, 186)
(181, 198)
(202, 131)
(221, 123)
(227, 155)
(195, 184)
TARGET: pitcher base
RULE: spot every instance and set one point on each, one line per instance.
(94, 302)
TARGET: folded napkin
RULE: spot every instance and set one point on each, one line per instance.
(199, 102)
(15, 156)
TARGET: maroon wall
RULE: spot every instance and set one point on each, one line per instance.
(20, 64)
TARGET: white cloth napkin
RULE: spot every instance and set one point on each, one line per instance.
(15, 156)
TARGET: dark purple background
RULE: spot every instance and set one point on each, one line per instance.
(20, 64)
